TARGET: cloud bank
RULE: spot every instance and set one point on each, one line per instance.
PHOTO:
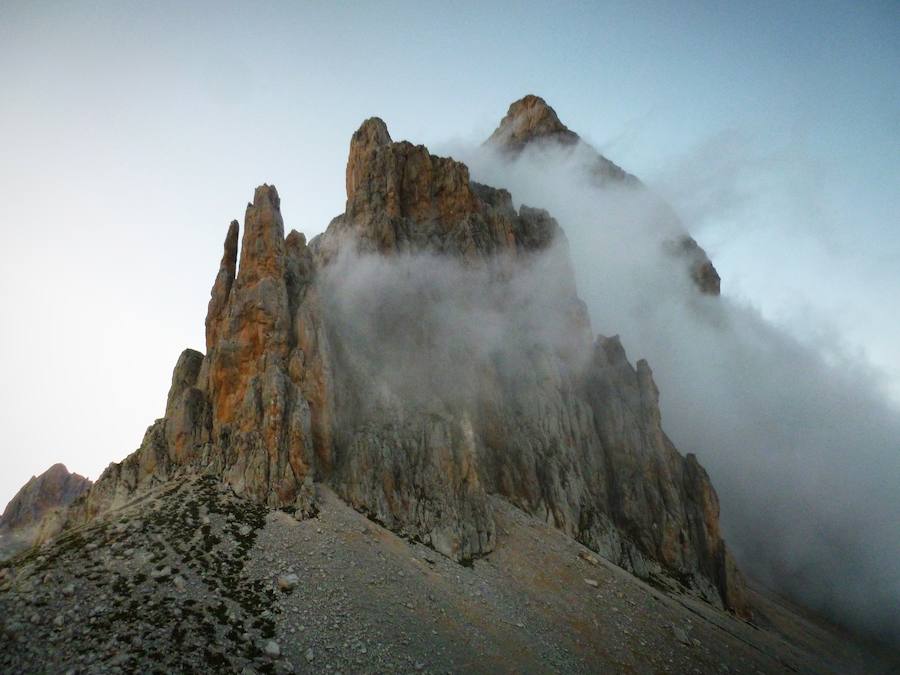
(800, 439)
(419, 327)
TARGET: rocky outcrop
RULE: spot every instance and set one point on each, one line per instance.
(37, 511)
(54, 488)
(424, 355)
(528, 120)
(660, 500)
(260, 419)
(703, 272)
(250, 408)
(531, 122)
(401, 198)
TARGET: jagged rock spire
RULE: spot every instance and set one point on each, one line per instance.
(531, 122)
(185, 375)
(262, 248)
(372, 134)
(400, 197)
(387, 180)
(222, 286)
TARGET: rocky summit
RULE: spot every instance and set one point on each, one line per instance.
(402, 450)
(35, 514)
(532, 125)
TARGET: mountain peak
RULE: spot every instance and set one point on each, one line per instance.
(399, 180)
(54, 488)
(372, 132)
(262, 248)
(529, 119)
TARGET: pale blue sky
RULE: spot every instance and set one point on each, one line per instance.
(131, 133)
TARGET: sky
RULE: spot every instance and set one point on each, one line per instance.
(132, 133)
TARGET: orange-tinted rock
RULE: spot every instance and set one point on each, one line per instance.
(395, 180)
(401, 198)
(262, 248)
(527, 120)
(260, 418)
(255, 321)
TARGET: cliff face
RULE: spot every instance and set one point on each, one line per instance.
(532, 124)
(427, 351)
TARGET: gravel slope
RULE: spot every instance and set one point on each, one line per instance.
(191, 578)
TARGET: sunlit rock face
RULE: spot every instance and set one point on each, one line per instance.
(427, 351)
(532, 124)
(531, 120)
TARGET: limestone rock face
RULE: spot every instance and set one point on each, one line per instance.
(250, 408)
(256, 384)
(411, 458)
(401, 198)
(425, 355)
(531, 122)
(54, 488)
(662, 501)
(187, 369)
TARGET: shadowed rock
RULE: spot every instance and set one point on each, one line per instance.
(222, 286)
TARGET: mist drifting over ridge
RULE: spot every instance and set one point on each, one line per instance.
(418, 326)
(802, 444)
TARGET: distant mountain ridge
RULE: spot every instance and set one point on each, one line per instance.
(54, 488)
(36, 512)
